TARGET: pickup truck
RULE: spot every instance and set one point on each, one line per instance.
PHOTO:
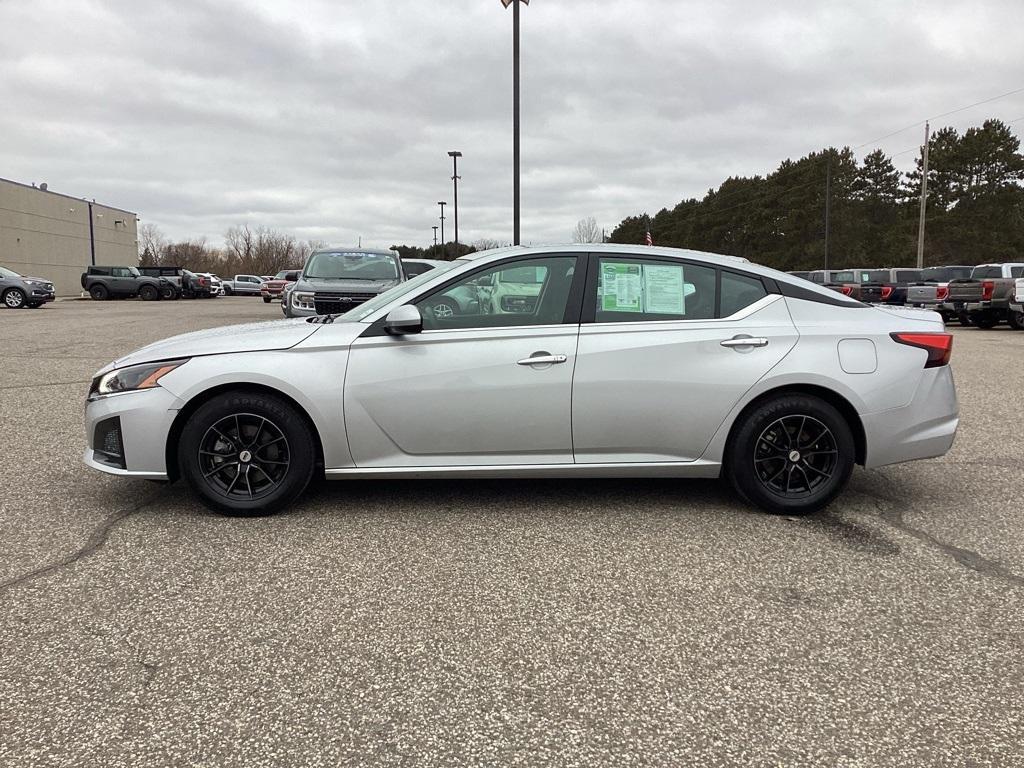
(1015, 317)
(932, 290)
(123, 282)
(984, 298)
(243, 285)
(893, 282)
(849, 282)
(272, 289)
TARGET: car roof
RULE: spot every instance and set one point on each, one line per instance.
(347, 249)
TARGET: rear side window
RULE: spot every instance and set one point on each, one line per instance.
(1016, 271)
(639, 290)
(985, 272)
(739, 292)
(99, 270)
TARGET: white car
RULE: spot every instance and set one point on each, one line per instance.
(632, 362)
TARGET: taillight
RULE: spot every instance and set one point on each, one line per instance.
(847, 290)
(939, 346)
(987, 287)
(886, 292)
(941, 293)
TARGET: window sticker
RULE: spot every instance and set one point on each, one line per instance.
(663, 289)
(620, 287)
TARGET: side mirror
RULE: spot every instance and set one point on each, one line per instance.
(403, 320)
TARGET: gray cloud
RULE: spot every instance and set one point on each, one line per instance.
(333, 120)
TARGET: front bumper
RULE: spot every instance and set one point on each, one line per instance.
(923, 429)
(145, 420)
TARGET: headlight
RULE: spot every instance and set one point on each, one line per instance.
(134, 377)
(302, 300)
(32, 282)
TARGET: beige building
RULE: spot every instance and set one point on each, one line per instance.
(55, 236)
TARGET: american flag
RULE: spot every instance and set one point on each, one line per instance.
(648, 239)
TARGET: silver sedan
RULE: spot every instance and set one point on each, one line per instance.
(591, 361)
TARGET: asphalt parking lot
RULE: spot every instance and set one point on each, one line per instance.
(499, 622)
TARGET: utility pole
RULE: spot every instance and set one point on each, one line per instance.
(455, 155)
(442, 203)
(828, 204)
(515, 115)
(435, 238)
(924, 199)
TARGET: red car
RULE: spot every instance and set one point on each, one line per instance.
(272, 289)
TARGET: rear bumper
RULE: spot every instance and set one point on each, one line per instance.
(923, 429)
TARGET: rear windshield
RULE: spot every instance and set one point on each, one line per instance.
(908, 275)
(846, 276)
(874, 276)
(944, 274)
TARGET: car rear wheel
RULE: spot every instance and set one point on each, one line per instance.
(266, 299)
(964, 318)
(14, 298)
(985, 321)
(247, 453)
(791, 455)
(149, 293)
(1016, 320)
(99, 292)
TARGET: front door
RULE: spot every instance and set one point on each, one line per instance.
(666, 349)
(480, 385)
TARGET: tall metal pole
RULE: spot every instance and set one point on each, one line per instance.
(924, 199)
(92, 239)
(828, 205)
(515, 122)
(435, 237)
(455, 182)
(442, 203)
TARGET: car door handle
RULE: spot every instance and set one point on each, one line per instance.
(542, 358)
(745, 341)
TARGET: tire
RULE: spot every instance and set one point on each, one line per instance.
(770, 452)
(99, 292)
(445, 308)
(35, 305)
(14, 298)
(169, 293)
(964, 318)
(211, 454)
(228, 291)
(1015, 320)
(985, 322)
(266, 299)
(149, 293)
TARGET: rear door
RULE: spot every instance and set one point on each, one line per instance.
(667, 348)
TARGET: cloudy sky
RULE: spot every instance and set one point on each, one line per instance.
(332, 120)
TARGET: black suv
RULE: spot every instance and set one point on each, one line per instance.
(122, 283)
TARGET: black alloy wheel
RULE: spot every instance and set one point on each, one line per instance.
(99, 292)
(791, 454)
(14, 298)
(149, 293)
(247, 453)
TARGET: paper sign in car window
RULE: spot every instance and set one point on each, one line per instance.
(663, 289)
(620, 283)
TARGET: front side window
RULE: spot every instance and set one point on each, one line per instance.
(739, 292)
(525, 292)
(346, 265)
(637, 290)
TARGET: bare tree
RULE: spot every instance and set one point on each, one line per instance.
(151, 244)
(586, 231)
(486, 244)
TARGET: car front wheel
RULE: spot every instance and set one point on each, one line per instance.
(99, 292)
(149, 293)
(247, 453)
(14, 298)
(791, 455)
(266, 299)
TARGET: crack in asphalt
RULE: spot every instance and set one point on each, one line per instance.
(96, 541)
(891, 512)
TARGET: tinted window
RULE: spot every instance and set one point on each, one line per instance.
(99, 270)
(874, 276)
(944, 274)
(816, 277)
(740, 291)
(1016, 271)
(634, 290)
(907, 276)
(986, 272)
(411, 270)
(847, 276)
(526, 292)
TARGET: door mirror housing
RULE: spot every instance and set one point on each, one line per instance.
(403, 320)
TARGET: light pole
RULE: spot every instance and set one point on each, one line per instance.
(515, 115)
(455, 155)
(435, 238)
(442, 203)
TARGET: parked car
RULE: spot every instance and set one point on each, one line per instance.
(286, 299)
(18, 291)
(984, 298)
(216, 284)
(849, 282)
(122, 283)
(932, 290)
(196, 285)
(171, 285)
(243, 285)
(413, 267)
(340, 279)
(632, 362)
(271, 289)
(893, 282)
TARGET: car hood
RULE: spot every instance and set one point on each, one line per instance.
(253, 337)
(346, 286)
(37, 279)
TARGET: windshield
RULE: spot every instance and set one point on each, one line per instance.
(344, 265)
(8, 273)
(282, 275)
(371, 306)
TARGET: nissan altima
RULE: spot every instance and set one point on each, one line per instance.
(618, 361)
